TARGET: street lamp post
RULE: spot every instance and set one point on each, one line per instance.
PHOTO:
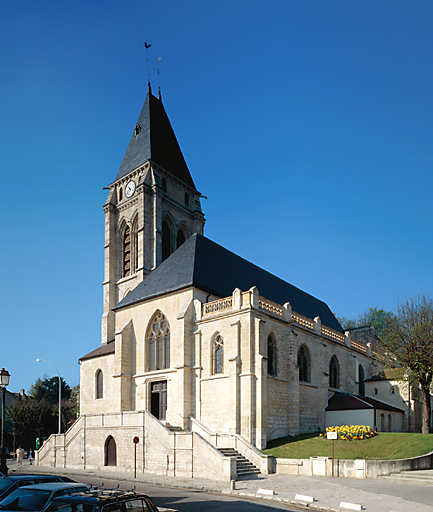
(4, 381)
(60, 393)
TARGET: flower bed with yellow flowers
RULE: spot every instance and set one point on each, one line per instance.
(352, 432)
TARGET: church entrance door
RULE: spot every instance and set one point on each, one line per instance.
(110, 452)
(158, 399)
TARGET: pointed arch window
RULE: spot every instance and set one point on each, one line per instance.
(99, 384)
(134, 246)
(272, 356)
(304, 364)
(334, 373)
(127, 252)
(218, 355)
(180, 239)
(166, 240)
(361, 384)
(130, 249)
(158, 343)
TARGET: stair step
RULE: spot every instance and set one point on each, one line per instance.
(419, 475)
(243, 465)
(174, 428)
(421, 472)
(398, 478)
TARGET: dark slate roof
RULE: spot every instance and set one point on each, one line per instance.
(155, 141)
(103, 350)
(201, 263)
(345, 402)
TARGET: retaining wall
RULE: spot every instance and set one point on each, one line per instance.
(359, 468)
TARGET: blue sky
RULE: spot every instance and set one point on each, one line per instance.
(308, 125)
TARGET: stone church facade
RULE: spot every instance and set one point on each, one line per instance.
(201, 350)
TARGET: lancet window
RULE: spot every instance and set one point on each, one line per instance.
(158, 343)
(127, 252)
(130, 250)
(134, 245)
(180, 239)
(99, 382)
(334, 373)
(272, 356)
(166, 240)
(304, 364)
(361, 390)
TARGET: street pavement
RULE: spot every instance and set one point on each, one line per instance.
(372, 495)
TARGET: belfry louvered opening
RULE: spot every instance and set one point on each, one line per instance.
(127, 252)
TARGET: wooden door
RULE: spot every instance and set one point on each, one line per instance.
(158, 399)
(110, 452)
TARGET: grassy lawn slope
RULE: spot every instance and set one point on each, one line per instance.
(383, 446)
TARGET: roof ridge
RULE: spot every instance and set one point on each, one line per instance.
(210, 267)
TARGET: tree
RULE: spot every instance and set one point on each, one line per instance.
(30, 418)
(380, 319)
(48, 388)
(409, 339)
(346, 322)
(36, 415)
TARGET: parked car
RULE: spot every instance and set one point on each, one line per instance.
(38, 497)
(9, 483)
(100, 500)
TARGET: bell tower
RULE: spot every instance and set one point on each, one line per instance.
(152, 207)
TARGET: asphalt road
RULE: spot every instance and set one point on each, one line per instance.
(191, 501)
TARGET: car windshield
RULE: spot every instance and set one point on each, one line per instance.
(25, 499)
(68, 506)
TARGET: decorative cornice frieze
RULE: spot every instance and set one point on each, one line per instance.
(131, 202)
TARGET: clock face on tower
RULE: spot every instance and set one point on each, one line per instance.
(130, 188)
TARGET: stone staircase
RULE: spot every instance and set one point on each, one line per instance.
(243, 466)
(424, 476)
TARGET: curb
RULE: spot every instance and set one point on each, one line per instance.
(287, 501)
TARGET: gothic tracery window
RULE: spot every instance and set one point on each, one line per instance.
(218, 355)
(334, 373)
(304, 364)
(158, 343)
(272, 356)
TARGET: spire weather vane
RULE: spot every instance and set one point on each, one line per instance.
(147, 46)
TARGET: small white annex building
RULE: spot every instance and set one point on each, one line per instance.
(204, 355)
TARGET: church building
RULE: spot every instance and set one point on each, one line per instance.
(204, 356)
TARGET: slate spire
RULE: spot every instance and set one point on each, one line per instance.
(153, 139)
